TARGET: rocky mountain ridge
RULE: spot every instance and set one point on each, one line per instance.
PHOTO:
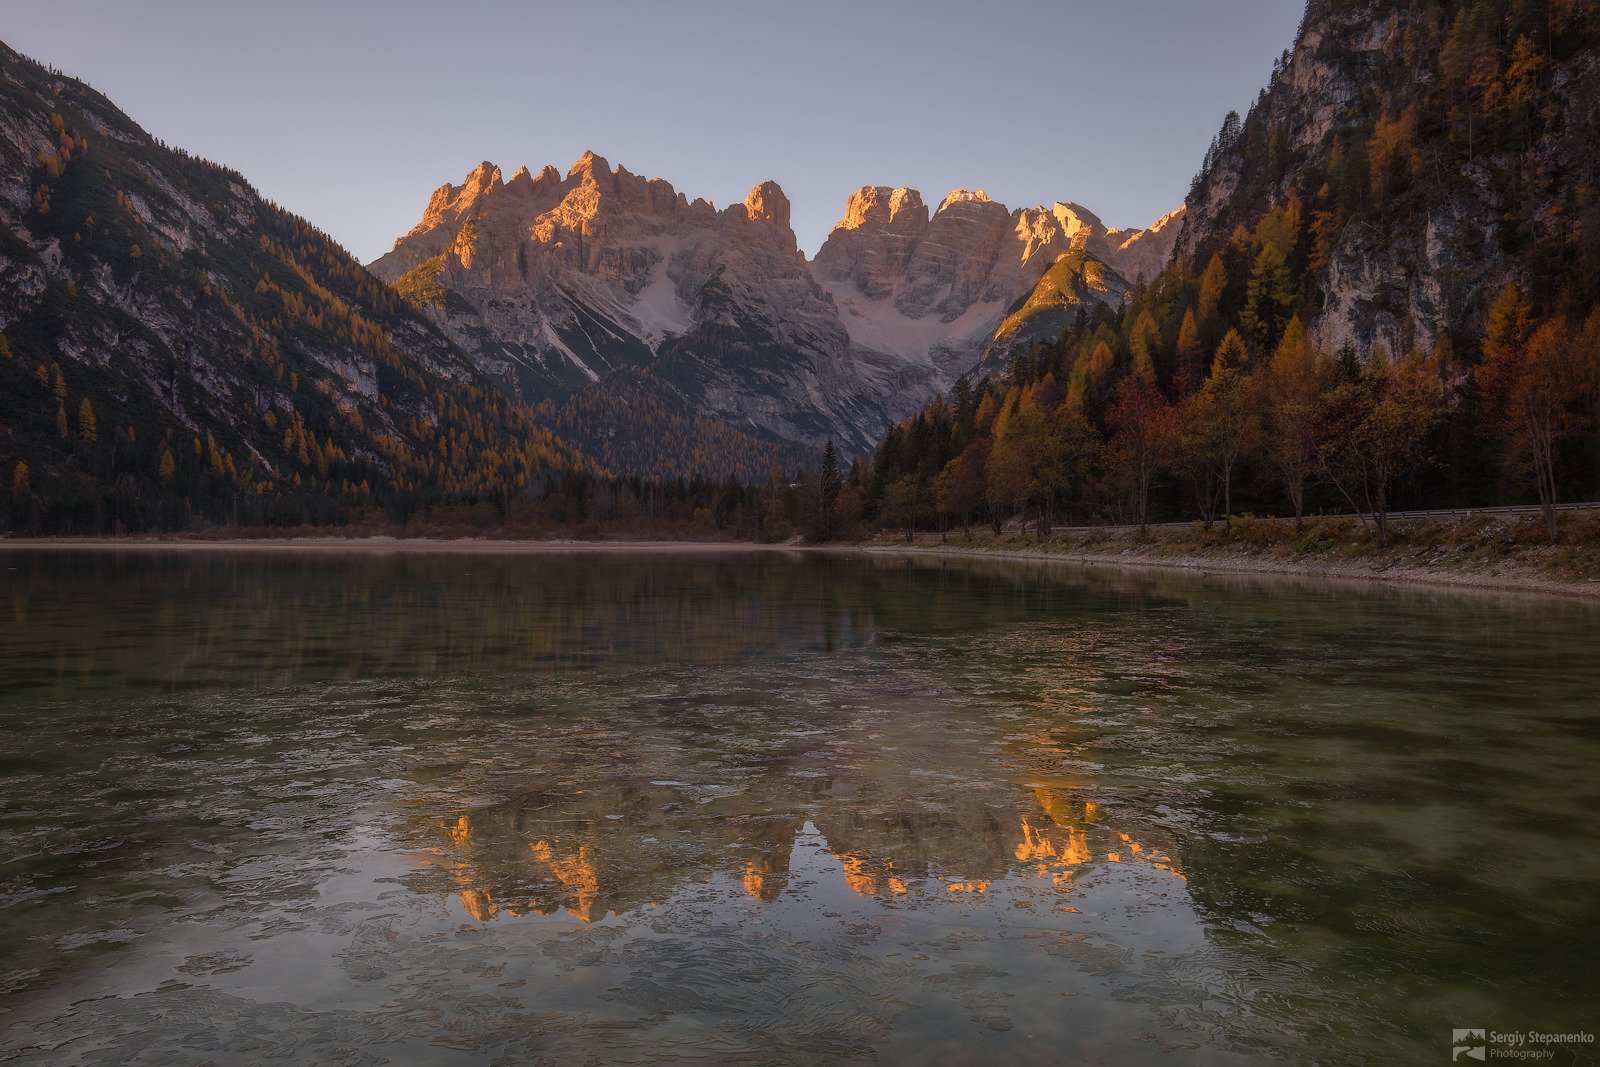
(176, 350)
(1433, 153)
(552, 282)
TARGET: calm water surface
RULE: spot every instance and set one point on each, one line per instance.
(353, 809)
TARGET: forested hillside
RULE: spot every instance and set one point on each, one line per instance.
(175, 351)
(1385, 293)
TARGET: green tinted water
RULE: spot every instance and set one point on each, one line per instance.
(507, 809)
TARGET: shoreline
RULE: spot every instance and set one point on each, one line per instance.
(395, 545)
(1386, 573)
(1342, 571)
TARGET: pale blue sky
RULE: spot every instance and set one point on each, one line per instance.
(351, 114)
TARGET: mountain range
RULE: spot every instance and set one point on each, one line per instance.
(560, 286)
(1415, 178)
(176, 350)
(1385, 289)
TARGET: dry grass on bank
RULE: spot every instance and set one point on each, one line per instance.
(1510, 548)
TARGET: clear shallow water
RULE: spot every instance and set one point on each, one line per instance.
(457, 809)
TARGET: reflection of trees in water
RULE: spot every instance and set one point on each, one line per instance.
(212, 619)
(207, 618)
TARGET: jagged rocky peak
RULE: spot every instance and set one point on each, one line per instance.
(959, 197)
(590, 188)
(590, 165)
(767, 203)
(966, 262)
(1141, 254)
(1074, 218)
(555, 280)
(882, 206)
(483, 178)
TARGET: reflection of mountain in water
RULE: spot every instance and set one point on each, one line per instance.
(612, 851)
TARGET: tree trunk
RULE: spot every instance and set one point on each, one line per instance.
(1227, 497)
(1544, 463)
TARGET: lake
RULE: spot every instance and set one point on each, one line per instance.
(353, 808)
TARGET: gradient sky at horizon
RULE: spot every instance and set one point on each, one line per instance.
(351, 114)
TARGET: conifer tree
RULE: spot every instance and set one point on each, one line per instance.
(829, 484)
(1190, 355)
(88, 430)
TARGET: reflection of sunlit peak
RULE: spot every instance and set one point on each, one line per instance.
(754, 881)
(1035, 845)
(460, 832)
(968, 887)
(1091, 811)
(478, 904)
(575, 872)
(860, 880)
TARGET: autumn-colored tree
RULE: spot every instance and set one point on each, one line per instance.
(959, 488)
(1191, 355)
(88, 429)
(62, 430)
(1381, 421)
(1012, 476)
(1220, 426)
(1509, 325)
(1071, 450)
(1213, 285)
(904, 504)
(1392, 153)
(1531, 393)
(21, 488)
(1143, 436)
(1143, 341)
(168, 469)
(1297, 381)
(1194, 460)
(1269, 298)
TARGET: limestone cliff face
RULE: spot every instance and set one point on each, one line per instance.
(554, 282)
(936, 291)
(1412, 252)
(1139, 255)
